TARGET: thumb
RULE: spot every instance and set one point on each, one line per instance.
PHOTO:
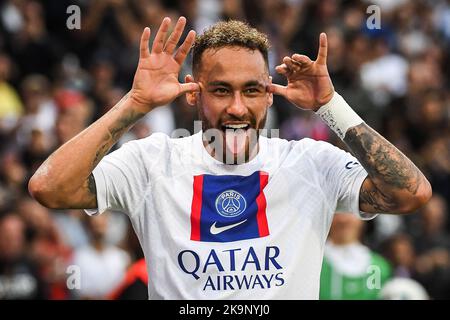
(277, 89)
(189, 87)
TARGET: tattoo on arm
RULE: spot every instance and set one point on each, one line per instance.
(115, 132)
(90, 193)
(91, 185)
(372, 199)
(389, 169)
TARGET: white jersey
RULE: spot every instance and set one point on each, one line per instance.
(215, 231)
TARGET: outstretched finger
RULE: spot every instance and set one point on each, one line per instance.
(158, 42)
(302, 59)
(143, 47)
(323, 48)
(189, 87)
(277, 89)
(292, 64)
(282, 69)
(183, 50)
(175, 36)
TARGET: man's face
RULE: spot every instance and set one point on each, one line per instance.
(233, 99)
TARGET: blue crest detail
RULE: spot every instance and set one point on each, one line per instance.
(230, 203)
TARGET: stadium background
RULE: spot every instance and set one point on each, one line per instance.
(54, 82)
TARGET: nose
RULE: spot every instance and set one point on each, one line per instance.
(237, 107)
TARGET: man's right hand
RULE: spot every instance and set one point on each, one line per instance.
(156, 79)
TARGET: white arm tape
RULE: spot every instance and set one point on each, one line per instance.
(338, 115)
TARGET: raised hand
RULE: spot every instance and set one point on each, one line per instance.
(309, 84)
(156, 79)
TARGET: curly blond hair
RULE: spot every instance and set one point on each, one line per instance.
(229, 33)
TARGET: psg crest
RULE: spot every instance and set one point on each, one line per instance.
(228, 208)
(230, 203)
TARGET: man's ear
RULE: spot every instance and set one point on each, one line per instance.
(191, 97)
(270, 97)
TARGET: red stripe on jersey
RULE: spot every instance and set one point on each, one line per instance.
(196, 209)
(261, 217)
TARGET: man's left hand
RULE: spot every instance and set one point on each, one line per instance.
(309, 85)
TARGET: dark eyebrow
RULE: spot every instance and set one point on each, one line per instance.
(251, 83)
(219, 83)
(254, 83)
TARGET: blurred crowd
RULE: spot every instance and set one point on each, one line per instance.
(55, 81)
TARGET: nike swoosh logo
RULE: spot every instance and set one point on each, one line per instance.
(217, 230)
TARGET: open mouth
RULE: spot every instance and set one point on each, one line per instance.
(235, 135)
(235, 126)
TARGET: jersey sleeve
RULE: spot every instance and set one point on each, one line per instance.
(122, 177)
(342, 177)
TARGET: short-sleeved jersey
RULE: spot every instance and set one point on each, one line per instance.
(215, 231)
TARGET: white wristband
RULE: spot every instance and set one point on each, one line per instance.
(338, 115)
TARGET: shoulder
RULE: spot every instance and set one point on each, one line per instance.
(156, 139)
(303, 147)
(152, 145)
(160, 152)
(160, 140)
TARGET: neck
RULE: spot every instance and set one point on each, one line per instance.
(98, 244)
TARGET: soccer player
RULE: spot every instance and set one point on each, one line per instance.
(222, 214)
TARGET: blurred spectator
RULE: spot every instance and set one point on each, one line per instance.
(35, 128)
(385, 226)
(30, 44)
(431, 231)
(11, 107)
(385, 74)
(71, 227)
(102, 265)
(75, 113)
(436, 157)
(134, 285)
(13, 175)
(350, 269)
(430, 268)
(46, 246)
(19, 278)
(400, 252)
(432, 243)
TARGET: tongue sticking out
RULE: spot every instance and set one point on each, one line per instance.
(235, 141)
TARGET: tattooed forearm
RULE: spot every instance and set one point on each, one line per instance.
(392, 174)
(114, 133)
(124, 124)
(381, 159)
